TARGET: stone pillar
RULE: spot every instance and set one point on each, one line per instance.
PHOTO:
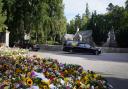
(27, 36)
(80, 37)
(77, 29)
(7, 38)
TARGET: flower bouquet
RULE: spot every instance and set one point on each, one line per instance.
(24, 72)
(4, 51)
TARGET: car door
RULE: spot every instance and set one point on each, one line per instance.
(85, 48)
(75, 49)
(81, 48)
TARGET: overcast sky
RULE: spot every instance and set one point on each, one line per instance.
(74, 7)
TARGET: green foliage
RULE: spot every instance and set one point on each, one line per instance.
(121, 37)
(71, 27)
(126, 5)
(116, 18)
(54, 23)
(98, 24)
(2, 18)
(84, 21)
(79, 22)
(119, 21)
(45, 18)
(87, 10)
(110, 7)
(53, 43)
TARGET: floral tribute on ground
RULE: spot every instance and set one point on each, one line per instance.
(32, 72)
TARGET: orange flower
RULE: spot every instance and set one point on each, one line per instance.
(78, 82)
(29, 82)
(18, 70)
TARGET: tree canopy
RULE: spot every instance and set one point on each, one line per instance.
(43, 19)
(115, 19)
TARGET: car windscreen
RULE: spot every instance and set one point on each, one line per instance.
(71, 43)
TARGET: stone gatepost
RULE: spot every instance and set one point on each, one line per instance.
(7, 38)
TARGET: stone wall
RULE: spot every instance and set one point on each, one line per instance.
(2, 37)
(51, 47)
(113, 50)
(2, 44)
(104, 49)
(84, 36)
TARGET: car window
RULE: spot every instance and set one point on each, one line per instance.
(72, 43)
(81, 45)
(85, 45)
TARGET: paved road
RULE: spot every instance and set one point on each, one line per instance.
(114, 66)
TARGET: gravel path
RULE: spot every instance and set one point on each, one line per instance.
(114, 66)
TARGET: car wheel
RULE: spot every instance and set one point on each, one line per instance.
(96, 52)
(30, 48)
(70, 51)
(36, 49)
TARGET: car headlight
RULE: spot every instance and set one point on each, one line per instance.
(99, 49)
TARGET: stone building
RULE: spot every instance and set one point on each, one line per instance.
(81, 36)
(4, 38)
(111, 40)
(68, 37)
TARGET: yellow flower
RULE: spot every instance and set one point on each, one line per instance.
(66, 72)
(46, 82)
(23, 77)
(46, 87)
(28, 74)
(86, 78)
(83, 72)
(78, 82)
(6, 82)
(26, 69)
(5, 66)
(88, 86)
(18, 70)
(43, 86)
(95, 76)
(46, 74)
(66, 80)
(29, 82)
